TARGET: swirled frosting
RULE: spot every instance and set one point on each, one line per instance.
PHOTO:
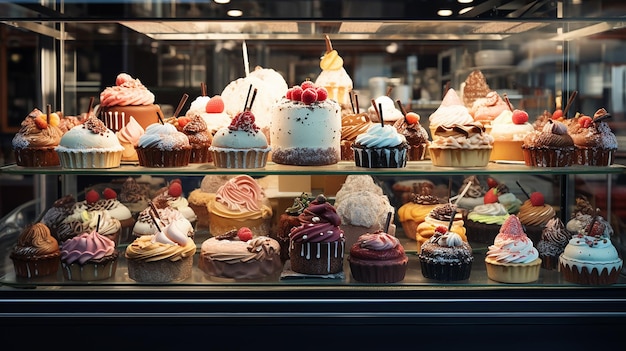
(198, 133)
(163, 137)
(82, 221)
(86, 247)
(389, 111)
(596, 134)
(553, 134)
(213, 120)
(115, 208)
(240, 197)
(486, 109)
(378, 136)
(511, 245)
(131, 132)
(446, 248)
(451, 111)
(378, 241)
(61, 208)
(319, 224)
(535, 215)
(554, 238)
(467, 136)
(30, 135)
(127, 91)
(377, 246)
(90, 135)
(353, 125)
(168, 244)
(35, 240)
(259, 248)
(494, 213)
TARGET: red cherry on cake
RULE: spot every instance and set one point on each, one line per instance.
(92, 197)
(585, 121)
(182, 121)
(289, 94)
(109, 194)
(309, 96)
(175, 190)
(441, 229)
(244, 234)
(492, 183)
(519, 116)
(491, 196)
(537, 199)
(557, 114)
(412, 118)
(322, 93)
(215, 105)
(296, 93)
(307, 84)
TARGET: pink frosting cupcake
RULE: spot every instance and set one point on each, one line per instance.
(89, 256)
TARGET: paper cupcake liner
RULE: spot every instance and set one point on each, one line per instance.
(446, 272)
(162, 271)
(80, 159)
(459, 157)
(101, 269)
(37, 157)
(417, 152)
(572, 274)
(32, 267)
(200, 155)
(243, 158)
(593, 156)
(391, 157)
(513, 272)
(376, 272)
(153, 157)
(548, 156)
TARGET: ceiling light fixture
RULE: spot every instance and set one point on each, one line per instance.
(444, 13)
(465, 10)
(465, 1)
(234, 13)
(221, 1)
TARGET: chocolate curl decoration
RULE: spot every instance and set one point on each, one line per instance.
(376, 108)
(388, 222)
(356, 102)
(402, 109)
(452, 219)
(569, 103)
(48, 113)
(352, 101)
(524, 191)
(247, 98)
(203, 89)
(389, 89)
(90, 107)
(159, 117)
(329, 45)
(154, 221)
(508, 102)
(98, 223)
(154, 209)
(252, 99)
(380, 114)
(181, 104)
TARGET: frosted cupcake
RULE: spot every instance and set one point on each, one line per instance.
(461, 146)
(90, 145)
(485, 110)
(414, 212)
(129, 138)
(89, 256)
(415, 135)
(508, 131)
(594, 141)
(163, 146)
(512, 258)
(554, 238)
(389, 111)
(200, 139)
(451, 111)
(378, 258)
(380, 147)
(34, 144)
(211, 110)
(241, 144)
(552, 147)
(36, 253)
(446, 256)
(440, 216)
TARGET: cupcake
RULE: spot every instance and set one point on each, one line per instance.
(440, 216)
(363, 209)
(128, 97)
(316, 247)
(508, 131)
(474, 195)
(134, 196)
(200, 139)
(36, 253)
(553, 240)
(415, 135)
(200, 198)
(288, 220)
(486, 109)
(352, 125)
(166, 256)
(109, 202)
(590, 257)
(211, 110)
(172, 196)
(166, 215)
(34, 144)
(484, 221)
(240, 255)
(83, 221)
(534, 215)
(552, 147)
(241, 144)
(56, 214)
(582, 214)
(389, 111)
(240, 202)
(129, 138)
(378, 257)
(451, 111)
(593, 139)
(413, 213)
(461, 146)
(90, 145)
(512, 258)
(446, 256)
(380, 147)
(163, 146)
(89, 256)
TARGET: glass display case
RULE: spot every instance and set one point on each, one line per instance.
(559, 47)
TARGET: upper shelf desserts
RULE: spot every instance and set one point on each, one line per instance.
(451, 111)
(128, 97)
(594, 141)
(36, 140)
(163, 146)
(461, 146)
(211, 109)
(334, 76)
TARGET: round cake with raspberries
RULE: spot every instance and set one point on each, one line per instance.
(305, 128)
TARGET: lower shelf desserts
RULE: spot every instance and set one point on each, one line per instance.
(305, 128)
(534, 214)
(413, 213)
(512, 258)
(90, 145)
(316, 247)
(36, 253)
(461, 146)
(378, 258)
(446, 256)
(34, 144)
(239, 255)
(163, 257)
(200, 198)
(590, 257)
(89, 256)
(440, 216)
(288, 220)
(484, 221)
(554, 238)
